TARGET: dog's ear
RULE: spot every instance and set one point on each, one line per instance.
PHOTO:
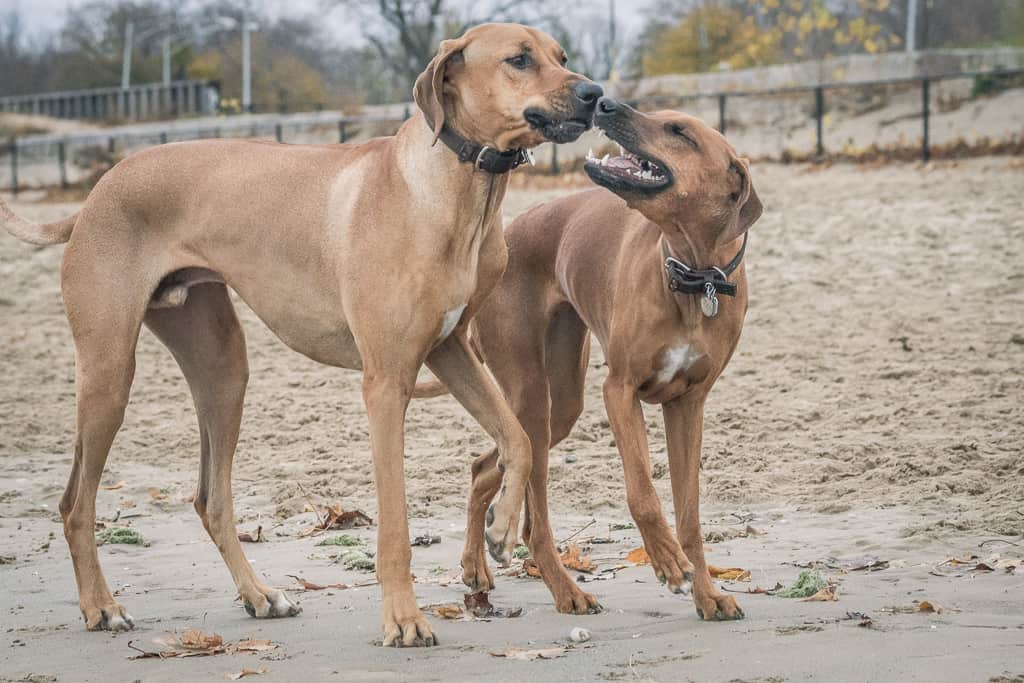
(745, 197)
(429, 88)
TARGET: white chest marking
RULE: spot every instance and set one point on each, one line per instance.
(451, 319)
(675, 360)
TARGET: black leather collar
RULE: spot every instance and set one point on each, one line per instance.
(686, 280)
(482, 157)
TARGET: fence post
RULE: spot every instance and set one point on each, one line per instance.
(721, 114)
(554, 159)
(342, 133)
(62, 162)
(926, 152)
(278, 133)
(819, 115)
(14, 165)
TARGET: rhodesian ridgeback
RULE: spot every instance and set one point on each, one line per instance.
(370, 256)
(641, 265)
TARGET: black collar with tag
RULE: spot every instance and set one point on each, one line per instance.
(482, 157)
(710, 282)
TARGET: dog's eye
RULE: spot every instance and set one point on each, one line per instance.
(565, 59)
(680, 131)
(521, 61)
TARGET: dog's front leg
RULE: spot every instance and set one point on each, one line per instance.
(626, 417)
(386, 392)
(457, 366)
(684, 425)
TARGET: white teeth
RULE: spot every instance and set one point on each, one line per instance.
(604, 161)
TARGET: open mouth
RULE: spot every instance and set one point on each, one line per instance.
(554, 129)
(627, 171)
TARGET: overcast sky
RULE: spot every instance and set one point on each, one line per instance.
(43, 17)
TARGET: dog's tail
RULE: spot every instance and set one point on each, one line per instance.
(46, 233)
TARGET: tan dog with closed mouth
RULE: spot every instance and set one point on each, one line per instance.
(371, 256)
(596, 262)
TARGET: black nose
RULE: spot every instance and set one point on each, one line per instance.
(607, 105)
(587, 92)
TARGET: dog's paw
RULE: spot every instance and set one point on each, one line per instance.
(111, 617)
(404, 624)
(671, 565)
(269, 604)
(500, 534)
(476, 574)
(573, 600)
(717, 607)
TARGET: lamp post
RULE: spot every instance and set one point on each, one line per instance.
(246, 27)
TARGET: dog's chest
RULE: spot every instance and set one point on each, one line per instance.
(668, 370)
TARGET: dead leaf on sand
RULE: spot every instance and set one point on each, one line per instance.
(448, 610)
(255, 645)
(729, 573)
(826, 594)
(245, 672)
(156, 494)
(929, 607)
(335, 517)
(113, 487)
(638, 556)
(573, 558)
(310, 586)
(253, 537)
(194, 639)
(530, 655)
(194, 643)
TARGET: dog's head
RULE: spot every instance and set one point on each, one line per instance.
(506, 85)
(678, 171)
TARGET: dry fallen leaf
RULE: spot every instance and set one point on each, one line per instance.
(337, 518)
(729, 573)
(930, 607)
(194, 639)
(638, 556)
(826, 594)
(245, 672)
(530, 655)
(254, 645)
(573, 558)
(156, 494)
(113, 487)
(247, 537)
(449, 611)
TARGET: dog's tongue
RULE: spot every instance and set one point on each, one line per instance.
(621, 163)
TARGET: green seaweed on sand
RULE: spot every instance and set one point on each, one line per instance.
(120, 534)
(343, 539)
(807, 584)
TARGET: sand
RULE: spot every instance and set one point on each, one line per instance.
(873, 408)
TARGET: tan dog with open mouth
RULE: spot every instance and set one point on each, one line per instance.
(371, 256)
(642, 266)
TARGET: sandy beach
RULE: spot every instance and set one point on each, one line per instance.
(873, 411)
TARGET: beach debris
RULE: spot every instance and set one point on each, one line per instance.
(255, 645)
(963, 566)
(579, 635)
(479, 605)
(8, 559)
(310, 586)
(245, 672)
(808, 584)
(530, 655)
(113, 487)
(521, 552)
(120, 534)
(638, 556)
(569, 459)
(865, 563)
(356, 560)
(252, 537)
(719, 535)
(336, 517)
(342, 539)
(573, 558)
(827, 594)
(447, 610)
(863, 620)
(929, 607)
(425, 540)
(729, 573)
(621, 526)
(195, 643)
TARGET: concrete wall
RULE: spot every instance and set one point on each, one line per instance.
(851, 68)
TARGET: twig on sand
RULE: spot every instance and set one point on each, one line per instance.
(309, 501)
(998, 540)
(578, 532)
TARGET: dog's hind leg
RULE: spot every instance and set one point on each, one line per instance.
(486, 482)
(207, 341)
(105, 324)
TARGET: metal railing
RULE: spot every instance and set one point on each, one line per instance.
(137, 102)
(819, 91)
